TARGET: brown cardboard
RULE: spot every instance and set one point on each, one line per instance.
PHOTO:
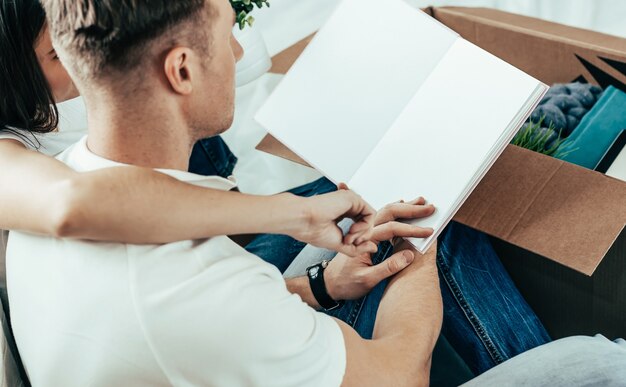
(532, 201)
(551, 52)
(535, 205)
(281, 62)
(550, 207)
(272, 146)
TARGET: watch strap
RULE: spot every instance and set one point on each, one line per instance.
(318, 286)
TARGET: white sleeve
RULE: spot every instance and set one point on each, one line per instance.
(236, 324)
(7, 135)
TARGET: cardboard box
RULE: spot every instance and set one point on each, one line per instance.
(534, 206)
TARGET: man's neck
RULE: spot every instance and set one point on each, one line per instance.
(154, 137)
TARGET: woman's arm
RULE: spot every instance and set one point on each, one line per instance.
(138, 205)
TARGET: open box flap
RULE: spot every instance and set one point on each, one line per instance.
(551, 52)
(550, 207)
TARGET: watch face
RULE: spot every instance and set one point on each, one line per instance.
(314, 271)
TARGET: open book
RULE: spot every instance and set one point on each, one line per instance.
(397, 105)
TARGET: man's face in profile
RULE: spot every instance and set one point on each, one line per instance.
(212, 108)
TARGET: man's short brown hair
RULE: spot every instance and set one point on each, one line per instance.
(100, 35)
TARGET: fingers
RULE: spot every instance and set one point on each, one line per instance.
(358, 240)
(359, 232)
(353, 250)
(359, 228)
(391, 230)
(357, 206)
(391, 266)
(362, 238)
(364, 213)
(418, 201)
(412, 210)
(359, 211)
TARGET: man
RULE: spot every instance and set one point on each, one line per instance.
(195, 312)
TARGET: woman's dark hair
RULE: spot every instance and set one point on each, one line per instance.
(26, 101)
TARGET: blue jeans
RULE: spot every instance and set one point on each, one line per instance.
(280, 250)
(486, 319)
(361, 314)
(212, 157)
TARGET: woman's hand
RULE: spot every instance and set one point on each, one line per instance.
(321, 214)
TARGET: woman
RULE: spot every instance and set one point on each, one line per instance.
(32, 79)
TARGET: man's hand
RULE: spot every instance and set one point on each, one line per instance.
(349, 278)
(321, 214)
(388, 227)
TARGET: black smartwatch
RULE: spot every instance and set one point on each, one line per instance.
(318, 287)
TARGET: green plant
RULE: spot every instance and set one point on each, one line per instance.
(243, 8)
(533, 138)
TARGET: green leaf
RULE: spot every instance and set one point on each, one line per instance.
(244, 7)
(529, 138)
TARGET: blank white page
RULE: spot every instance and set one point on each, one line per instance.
(446, 133)
(618, 168)
(352, 82)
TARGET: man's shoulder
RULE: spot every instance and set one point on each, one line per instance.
(216, 258)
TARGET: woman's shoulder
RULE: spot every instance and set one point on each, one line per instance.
(72, 127)
(50, 144)
(25, 137)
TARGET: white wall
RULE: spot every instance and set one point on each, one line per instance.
(607, 16)
(287, 21)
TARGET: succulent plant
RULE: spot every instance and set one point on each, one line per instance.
(243, 8)
(547, 140)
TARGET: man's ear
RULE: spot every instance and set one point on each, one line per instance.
(177, 67)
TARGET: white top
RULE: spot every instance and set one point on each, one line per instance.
(72, 127)
(203, 312)
(50, 144)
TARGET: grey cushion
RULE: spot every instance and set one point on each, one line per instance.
(12, 373)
